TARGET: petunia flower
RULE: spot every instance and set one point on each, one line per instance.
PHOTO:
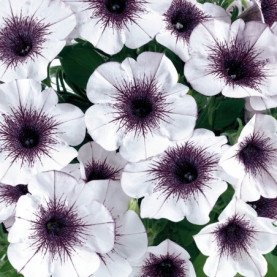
(163, 260)
(139, 106)
(265, 207)
(238, 60)
(184, 181)
(180, 20)
(269, 101)
(9, 196)
(35, 131)
(266, 9)
(130, 234)
(251, 162)
(237, 242)
(57, 230)
(32, 33)
(98, 164)
(110, 24)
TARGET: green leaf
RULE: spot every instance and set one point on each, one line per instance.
(133, 205)
(272, 265)
(154, 228)
(235, 13)
(233, 134)
(201, 100)
(199, 264)
(227, 112)
(79, 61)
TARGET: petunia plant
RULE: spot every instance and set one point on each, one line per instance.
(138, 138)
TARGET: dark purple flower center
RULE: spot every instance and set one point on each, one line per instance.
(140, 106)
(269, 9)
(27, 134)
(237, 63)
(116, 6)
(183, 171)
(117, 13)
(256, 153)
(58, 229)
(11, 194)
(235, 236)
(182, 17)
(164, 266)
(97, 170)
(21, 37)
(265, 207)
(56, 226)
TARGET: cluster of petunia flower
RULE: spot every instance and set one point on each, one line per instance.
(69, 218)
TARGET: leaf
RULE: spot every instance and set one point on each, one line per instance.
(227, 112)
(233, 134)
(199, 264)
(200, 99)
(79, 61)
(272, 265)
(154, 228)
(133, 205)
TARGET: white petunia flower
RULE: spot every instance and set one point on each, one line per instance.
(139, 106)
(35, 131)
(32, 33)
(267, 102)
(265, 207)
(251, 162)
(97, 163)
(163, 260)
(9, 196)
(266, 11)
(184, 181)
(237, 242)
(56, 232)
(238, 60)
(180, 20)
(130, 234)
(110, 24)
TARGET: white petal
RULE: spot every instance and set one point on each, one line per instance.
(197, 74)
(113, 265)
(182, 117)
(110, 194)
(198, 210)
(158, 66)
(179, 47)
(252, 264)
(82, 263)
(132, 236)
(207, 33)
(102, 84)
(266, 236)
(135, 180)
(27, 261)
(25, 213)
(72, 125)
(101, 226)
(217, 266)
(111, 40)
(205, 240)
(141, 32)
(157, 206)
(52, 184)
(136, 147)
(98, 119)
